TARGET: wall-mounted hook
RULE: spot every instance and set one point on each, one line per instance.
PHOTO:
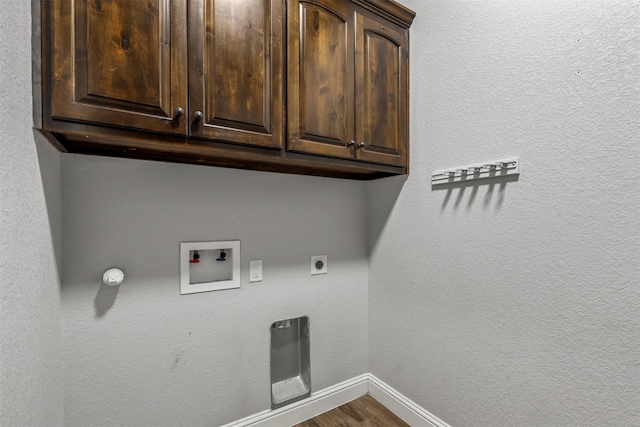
(494, 169)
(506, 165)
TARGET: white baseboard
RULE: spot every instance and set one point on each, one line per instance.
(339, 394)
(402, 406)
(318, 403)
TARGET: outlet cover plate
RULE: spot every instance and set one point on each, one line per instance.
(255, 271)
(319, 264)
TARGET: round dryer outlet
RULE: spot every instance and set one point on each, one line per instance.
(318, 264)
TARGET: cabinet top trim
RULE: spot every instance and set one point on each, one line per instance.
(402, 14)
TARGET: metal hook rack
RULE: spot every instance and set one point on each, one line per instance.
(493, 169)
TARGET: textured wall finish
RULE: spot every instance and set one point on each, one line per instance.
(516, 303)
(145, 355)
(503, 303)
(30, 226)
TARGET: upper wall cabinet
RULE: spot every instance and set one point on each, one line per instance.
(348, 83)
(236, 71)
(382, 91)
(124, 63)
(120, 63)
(204, 82)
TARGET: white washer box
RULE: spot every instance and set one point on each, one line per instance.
(211, 273)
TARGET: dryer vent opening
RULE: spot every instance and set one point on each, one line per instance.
(290, 361)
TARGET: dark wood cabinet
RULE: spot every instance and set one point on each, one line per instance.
(382, 91)
(321, 78)
(348, 83)
(205, 81)
(236, 80)
(124, 63)
(119, 63)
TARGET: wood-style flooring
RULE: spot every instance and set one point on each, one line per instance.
(363, 412)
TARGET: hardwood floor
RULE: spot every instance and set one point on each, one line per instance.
(363, 412)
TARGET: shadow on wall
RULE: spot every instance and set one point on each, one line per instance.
(105, 298)
(382, 195)
(49, 163)
(133, 214)
(500, 183)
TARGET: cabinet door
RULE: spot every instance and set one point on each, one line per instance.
(236, 71)
(321, 70)
(119, 62)
(382, 91)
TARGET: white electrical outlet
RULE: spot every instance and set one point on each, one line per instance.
(255, 271)
(319, 264)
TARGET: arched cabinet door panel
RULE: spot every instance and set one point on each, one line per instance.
(347, 83)
(321, 70)
(381, 92)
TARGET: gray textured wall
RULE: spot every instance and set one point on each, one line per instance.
(30, 227)
(512, 304)
(145, 355)
(516, 303)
